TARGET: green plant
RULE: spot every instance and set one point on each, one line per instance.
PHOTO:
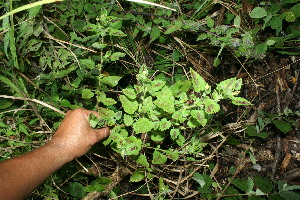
(257, 188)
(159, 110)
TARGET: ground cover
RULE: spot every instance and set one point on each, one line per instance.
(202, 102)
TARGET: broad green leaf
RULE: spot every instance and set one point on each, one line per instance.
(128, 120)
(240, 101)
(252, 132)
(90, 64)
(147, 105)
(261, 48)
(77, 190)
(116, 56)
(164, 124)
(157, 85)
(23, 129)
(295, 9)
(65, 103)
(289, 16)
(172, 154)
(202, 36)
(177, 137)
(142, 159)
(233, 192)
(130, 106)
(106, 101)
(98, 45)
(209, 21)
(143, 125)
(115, 32)
(87, 93)
(181, 115)
(157, 136)
(243, 184)
(199, 115)
(289, 195)
(111, 80)
(5, 103)
(180, 87)
(137, 176)
(159, 158)
(237, 21)
(177, 26)
(258, 12)
(282, 125)
(264, 184)
(270, 42)
(204, 181)
(165, 100)
(130, 93)
(199, 83)
(155, 33)
(34, 11)
(129, 145)
(211, 106)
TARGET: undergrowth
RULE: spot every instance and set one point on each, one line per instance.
(139, 66)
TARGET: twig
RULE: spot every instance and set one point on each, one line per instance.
(294, 89)
(35, 101)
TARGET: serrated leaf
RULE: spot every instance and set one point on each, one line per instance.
(87, 93)
(111, 80)
(157, 136)
(172, 154)
(165, 100)
(116, 56)
(130, 93)
(258, 12)
(209, 21)
(157, 85)
(159, 158)
(164, 124)
(199, 115)
(177, 26)
(128, 120)
(147, 105)
(211, 106)
(199, 83)
(128, 145)
(180, 87)
(239, 101)
(155, 33)
(130, 106)
(106, 101)
(99, 45)
(137, 176)
(116, 32)
(282, 125)
(177, 137)
(143, 125)
(202, 36)
(142, 159)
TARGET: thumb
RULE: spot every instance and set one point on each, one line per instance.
(102, 133)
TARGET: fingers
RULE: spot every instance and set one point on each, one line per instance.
(102, 133)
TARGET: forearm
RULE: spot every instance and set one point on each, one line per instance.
(20, 175)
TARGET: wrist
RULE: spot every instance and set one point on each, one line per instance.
(61, 151)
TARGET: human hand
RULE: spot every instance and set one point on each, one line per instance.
(75, 136)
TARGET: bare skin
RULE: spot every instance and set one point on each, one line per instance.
(20, 175)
